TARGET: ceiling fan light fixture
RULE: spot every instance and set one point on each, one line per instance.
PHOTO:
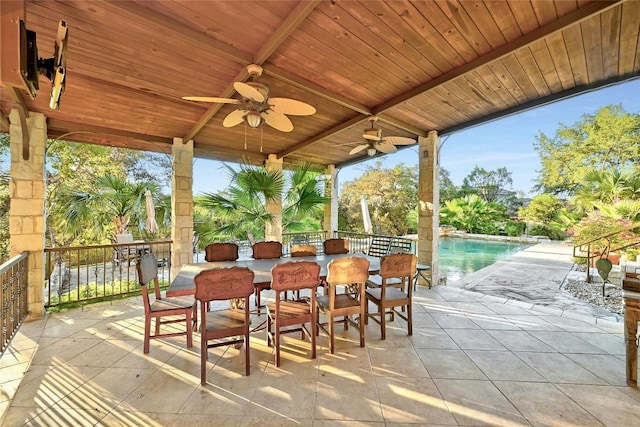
(371, 151)
(253, 119)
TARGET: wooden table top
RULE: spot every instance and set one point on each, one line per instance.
(183, 283)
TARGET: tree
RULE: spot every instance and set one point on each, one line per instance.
(608, 139)
(77, 175)
(473, 214)
(391, 194)
(4, 200)
(448, 190)
(241, 208)
(489, 185)
(543, 208)
(608, 186)
(110, 209)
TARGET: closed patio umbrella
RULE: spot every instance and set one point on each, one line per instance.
(151, 224)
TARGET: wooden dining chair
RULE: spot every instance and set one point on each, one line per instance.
(303, 250)
(265, 250)
(396, 267)
(221, 252)
(282, 313)
(350, 273)
(335, 246)
(216, 285)
(159, 308)
(299, 251)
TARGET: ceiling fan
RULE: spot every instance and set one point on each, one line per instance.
(376, 142)
(256, 107)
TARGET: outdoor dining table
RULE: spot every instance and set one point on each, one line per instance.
(183, 283)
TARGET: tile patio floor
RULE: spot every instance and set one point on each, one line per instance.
(474, 359)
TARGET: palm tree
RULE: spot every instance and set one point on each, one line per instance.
(608, 186)
(110, 209)
(240, 210)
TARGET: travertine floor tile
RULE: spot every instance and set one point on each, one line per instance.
(452, 364)
(478, 403)
(558, 368)
(503, 365)
(348, 397)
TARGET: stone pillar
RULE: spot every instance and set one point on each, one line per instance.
(26, 213)
(273, 230)
(181, 205)
(428, 203)
(330, 222)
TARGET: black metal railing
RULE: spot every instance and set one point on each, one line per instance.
(76, 275)
(13, 297)
(376, 244)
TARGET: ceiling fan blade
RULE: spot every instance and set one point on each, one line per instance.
(234, 118)
(399, 140)
(386, 147)
(248, 91)
(277, 121)
(291, 106)
(358, 149)
(211, 99)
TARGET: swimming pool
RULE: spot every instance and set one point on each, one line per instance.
(460, 257)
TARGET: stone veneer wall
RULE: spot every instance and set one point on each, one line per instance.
(26, 214)
(428, 201)
(181, 205)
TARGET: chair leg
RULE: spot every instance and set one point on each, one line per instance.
(366, 311)
(157, 326)
(203, 359)
(147, 333)
(332, 344)
(410, 318)
(361, 327)
(189, 329)
(276, 344)
(247, 355)
(313, 339)
(383, 323)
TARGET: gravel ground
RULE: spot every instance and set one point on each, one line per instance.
(592, 293)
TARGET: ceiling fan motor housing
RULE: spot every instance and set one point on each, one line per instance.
(372, 134)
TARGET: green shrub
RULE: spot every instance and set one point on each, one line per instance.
(546, 230)
(514, 228)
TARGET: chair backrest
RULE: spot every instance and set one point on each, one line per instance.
(147, 268)
(221, 252)
(294, 275)
(398, 265)
(379, 247)
(336, 246)
(124, 238)
(303, 250)
(348, 270)
(224, 283)
(267, 250)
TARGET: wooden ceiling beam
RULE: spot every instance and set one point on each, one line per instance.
(290, 24)
(147, 16)
(4, 122)
(292, 79)
(559, 24)
(228, 92)
(57, 128)
(402, 125)
(277, 38)
(326, 134)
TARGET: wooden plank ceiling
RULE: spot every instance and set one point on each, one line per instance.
(416, 65)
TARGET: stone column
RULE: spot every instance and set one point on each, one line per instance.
(26, 214)
(428, 203)
(273, 230)
(181, 205)
(330, 222)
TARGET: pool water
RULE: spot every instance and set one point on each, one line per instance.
(460, 257)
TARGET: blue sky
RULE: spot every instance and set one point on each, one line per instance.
(506, 142)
